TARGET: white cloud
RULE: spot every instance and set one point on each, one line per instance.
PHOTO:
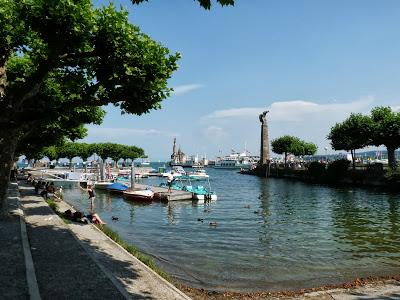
(186, 88)
(396, 108)
(215, 132)
(308, 120)
(244, 112)
(293, 110)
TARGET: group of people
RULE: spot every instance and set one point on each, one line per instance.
(44, 189)
(80, 217)
(48, 189)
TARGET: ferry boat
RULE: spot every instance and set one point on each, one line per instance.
(236, 160)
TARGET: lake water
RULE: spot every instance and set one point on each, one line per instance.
(271, 234)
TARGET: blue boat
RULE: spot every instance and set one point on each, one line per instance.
(117, 188)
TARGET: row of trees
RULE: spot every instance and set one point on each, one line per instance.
(292, 145)
(61, 61)
(84, 150)
(380, 127)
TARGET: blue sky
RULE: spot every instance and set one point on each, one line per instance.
(310, 62)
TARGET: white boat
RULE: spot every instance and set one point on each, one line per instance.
(144, 163)
(139, 195)
(177, 171)
(68, 178)
(236, 161)
(198, 174)
(199, 193)
(102, 185)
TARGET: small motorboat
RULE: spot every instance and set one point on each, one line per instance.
(117, 188)
(102, 185)
(200, 193)
(138, 194)
(198, 174)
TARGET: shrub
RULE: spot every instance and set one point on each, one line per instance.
(338, 169)
(316, 171)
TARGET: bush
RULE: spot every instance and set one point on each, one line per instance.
(338, 169)
(393, 176)
(316, 171)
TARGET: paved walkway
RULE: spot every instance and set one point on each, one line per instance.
(78, 261)
(13, 284)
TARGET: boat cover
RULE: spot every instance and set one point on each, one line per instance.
(116, 186)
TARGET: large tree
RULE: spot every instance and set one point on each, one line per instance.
(66, 58)
(353, 133)
(84, 150)
(291, 144)
(386, 131)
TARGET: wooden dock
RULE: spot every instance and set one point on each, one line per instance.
(162, 194)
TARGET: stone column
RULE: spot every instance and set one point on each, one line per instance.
(264, 151)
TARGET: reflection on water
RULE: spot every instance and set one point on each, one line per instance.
(265, 234)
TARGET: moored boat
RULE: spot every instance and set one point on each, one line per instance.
(117, 188)
(200, 193)
(198, 174)
(138, 195)
(102, 185)
(236, 161)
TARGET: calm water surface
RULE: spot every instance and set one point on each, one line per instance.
(271, 234)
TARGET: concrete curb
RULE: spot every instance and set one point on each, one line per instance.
(30, 268)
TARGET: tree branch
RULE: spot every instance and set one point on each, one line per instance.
(78, 55)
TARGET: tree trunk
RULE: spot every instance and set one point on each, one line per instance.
(391, 157)
(8, 143)
(3, 81)
(285, 160)
(353, 158)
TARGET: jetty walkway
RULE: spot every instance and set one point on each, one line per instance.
(41, 257)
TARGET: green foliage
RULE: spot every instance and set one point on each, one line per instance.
(61, 61)
(353, 133)
(284, 144)
(52, 204)
(382, 127)
(316, 170)
(84, 150)
(386, 131)
(291, 144)
(393, 176)
(386, 125)
(338, 169)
